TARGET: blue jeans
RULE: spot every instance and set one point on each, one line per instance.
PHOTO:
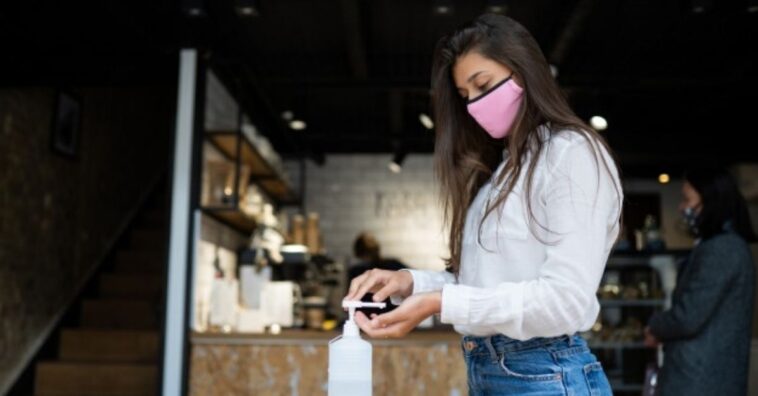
(498, 365)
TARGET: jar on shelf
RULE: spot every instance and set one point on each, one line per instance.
(298, 230)
(313, 233)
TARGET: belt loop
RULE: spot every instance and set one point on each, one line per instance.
(571, 340)
(491, 348)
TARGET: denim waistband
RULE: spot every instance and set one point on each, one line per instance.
(500, 344)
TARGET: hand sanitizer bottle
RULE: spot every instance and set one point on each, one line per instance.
(350, 357)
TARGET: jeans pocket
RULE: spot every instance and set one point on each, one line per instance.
(597, 382)
(530, 369)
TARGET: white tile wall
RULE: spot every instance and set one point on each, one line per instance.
(355, 193)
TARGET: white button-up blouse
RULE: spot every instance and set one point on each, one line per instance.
(535, 277)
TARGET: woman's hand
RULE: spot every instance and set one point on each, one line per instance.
(403, 319)
(382, 283)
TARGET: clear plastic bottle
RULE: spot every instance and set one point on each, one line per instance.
(350, 357)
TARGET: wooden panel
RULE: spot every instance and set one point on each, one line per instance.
(95, 379)
(119, 314)
(109, 346)
(137, 286)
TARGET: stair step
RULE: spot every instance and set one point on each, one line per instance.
(95, 379)
(153, 239)
(144, 286)
(139, 261)
(93, 345)
(119, 314)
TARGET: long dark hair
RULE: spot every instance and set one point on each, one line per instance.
(722, 203)
(465, 156)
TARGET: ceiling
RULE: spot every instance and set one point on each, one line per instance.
(677, 87)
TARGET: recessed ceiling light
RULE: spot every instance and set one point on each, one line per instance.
(599, 123)
(664, 178)
(247, 8)
(443, 7)
(496, 6)
(426, 121)
(442, 10)
(288, 115)
(298, 125)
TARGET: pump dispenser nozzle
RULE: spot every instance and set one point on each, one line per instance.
(351, 329)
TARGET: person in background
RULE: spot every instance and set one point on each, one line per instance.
(707, 332)
(368, 252)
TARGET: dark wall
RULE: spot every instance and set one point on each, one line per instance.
(58, 214)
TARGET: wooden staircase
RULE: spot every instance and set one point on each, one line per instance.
(115, 350)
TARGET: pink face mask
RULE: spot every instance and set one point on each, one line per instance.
(496, 109)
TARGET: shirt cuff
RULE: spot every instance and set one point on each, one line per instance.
(455, 304)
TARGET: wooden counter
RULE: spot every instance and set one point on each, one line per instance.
(425, 362)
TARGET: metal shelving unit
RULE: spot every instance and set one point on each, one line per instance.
(619, 357)
(238, 149)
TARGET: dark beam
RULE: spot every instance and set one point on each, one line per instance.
(354, 39)
(570, 31)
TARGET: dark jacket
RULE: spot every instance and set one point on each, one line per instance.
(707, 332)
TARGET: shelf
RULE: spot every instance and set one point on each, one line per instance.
(260, 170)
(607, 303)
(639, 259)
(232, 217)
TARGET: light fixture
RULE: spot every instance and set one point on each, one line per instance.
(288, 115)
(193, 8)
(426, 121)
(664, 178)
(443, 7)
(496, 6)
(554, 70)
(700, 6)
(247, 8)
(298, 125)
(599, 123)
(396, 165)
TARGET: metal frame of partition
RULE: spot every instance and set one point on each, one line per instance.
(185, 186)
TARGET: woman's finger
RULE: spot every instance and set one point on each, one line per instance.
(394, 331)
(386, 290)
(355, 284)
(374, 277)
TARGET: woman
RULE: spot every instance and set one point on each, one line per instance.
(706, 333)
(533, 202)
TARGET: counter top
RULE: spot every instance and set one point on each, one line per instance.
(315, 337)
(295, 362)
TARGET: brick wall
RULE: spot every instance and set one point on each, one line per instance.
(354, 193)
(58, 215)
